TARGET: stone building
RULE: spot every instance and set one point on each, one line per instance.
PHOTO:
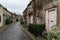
(49, 13)
(25, 16)
(13, 17)
(16, 17)
(4, 14)
(28, 14)
(1, 16)
(19, 17)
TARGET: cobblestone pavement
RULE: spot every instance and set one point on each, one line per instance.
(14, 32)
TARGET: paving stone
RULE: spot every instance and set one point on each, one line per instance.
(14, 32)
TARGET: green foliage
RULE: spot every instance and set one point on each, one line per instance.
(10, 21)
(21, 22)
(7, 21)
(54, 34)
(36, 29)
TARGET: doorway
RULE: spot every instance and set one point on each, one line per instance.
(51, 18)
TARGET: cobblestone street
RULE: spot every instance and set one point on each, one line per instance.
(14, 32)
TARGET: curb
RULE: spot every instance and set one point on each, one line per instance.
(30, 35)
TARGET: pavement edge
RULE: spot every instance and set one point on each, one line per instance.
(30, 35)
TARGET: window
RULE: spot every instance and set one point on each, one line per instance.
(0, 18)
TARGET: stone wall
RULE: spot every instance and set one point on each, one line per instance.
(45, 7)
(1, 14)
(58, 17)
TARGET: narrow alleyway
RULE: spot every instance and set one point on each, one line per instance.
(14, 32)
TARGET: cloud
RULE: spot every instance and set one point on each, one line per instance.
(16, 6)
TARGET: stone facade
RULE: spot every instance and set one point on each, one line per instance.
(25, 16)
(50, 4)
(5, 14)
(41, 14)
(1, 16)
(28, 14)
(13, 18)
(16, 17)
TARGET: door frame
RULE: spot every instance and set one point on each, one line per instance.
(48, 16)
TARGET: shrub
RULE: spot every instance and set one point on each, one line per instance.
(36, 29)
(54, 34)
(7, 21)
(22, 22)
(10, 21)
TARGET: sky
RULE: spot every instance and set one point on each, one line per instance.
(17, 6)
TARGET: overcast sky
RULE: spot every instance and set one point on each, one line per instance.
(16, 6)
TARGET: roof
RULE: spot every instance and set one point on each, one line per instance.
(25, 9)
(29, 3)
(5, 9)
